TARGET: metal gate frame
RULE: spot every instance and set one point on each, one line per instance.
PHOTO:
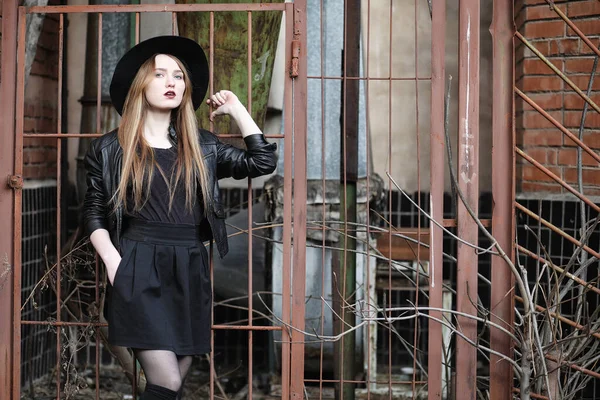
(12, 111)
(295, 123)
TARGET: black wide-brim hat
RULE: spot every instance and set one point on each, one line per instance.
(186, 50)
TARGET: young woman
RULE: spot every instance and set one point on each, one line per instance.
(153, 198)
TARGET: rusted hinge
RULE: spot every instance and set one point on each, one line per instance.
(15, 181)
(295, 58)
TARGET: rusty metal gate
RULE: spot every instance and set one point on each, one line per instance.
(376, 250)
(14, 36)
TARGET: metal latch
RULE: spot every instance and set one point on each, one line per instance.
(295, 58)
(15, 181)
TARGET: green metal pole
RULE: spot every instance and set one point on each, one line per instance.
(348, 287)
(346, 354)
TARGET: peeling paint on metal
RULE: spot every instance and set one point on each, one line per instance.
(466, 172)
(432, 266)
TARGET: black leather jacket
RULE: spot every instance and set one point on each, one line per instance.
(104, 160)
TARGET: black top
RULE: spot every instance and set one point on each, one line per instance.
(156, 208)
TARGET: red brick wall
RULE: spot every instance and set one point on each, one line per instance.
(39, 154)
(535, 135)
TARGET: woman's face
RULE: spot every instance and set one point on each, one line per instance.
(166, 87)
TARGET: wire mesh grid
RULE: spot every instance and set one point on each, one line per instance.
(38, 344)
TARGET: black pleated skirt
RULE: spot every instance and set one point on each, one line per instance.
(161, 298)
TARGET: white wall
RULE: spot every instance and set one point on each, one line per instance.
(394, 127)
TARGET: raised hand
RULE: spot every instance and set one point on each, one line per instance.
(224, 102)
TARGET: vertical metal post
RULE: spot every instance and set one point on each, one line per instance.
(8, 91)
(250, 274)
(436, 140)
(344, 350)
(468, 182)
(503, 192)
(287, 211)
(299, 201)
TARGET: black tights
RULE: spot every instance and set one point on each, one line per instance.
(165, 373)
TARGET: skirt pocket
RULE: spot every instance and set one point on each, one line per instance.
(126, 250)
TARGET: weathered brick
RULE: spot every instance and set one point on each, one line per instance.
(590, 176)
(39, 142)
(569, 157)
(29, 125)
(549, 137)
(583, 8)
(573, 101)
(530, 187)
(592, 139)
(39, 171)
(539, 67)
(532, 173)
(585, 49)
(564, 47)
(543, 12)
(582, 82)
(544, 29)
(573, 119)
(551, 156)
(540, 154)
(541, 83)
(586, 26)
(579, 65)
(35, 155)
(535, 120)
(548, 101)
(523, 51)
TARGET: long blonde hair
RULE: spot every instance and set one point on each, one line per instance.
(138, 155)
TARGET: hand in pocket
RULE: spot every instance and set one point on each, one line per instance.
(112, 266)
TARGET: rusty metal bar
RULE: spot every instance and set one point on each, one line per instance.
(575, 367)
(563, 319)
(299, 194)
(211, 91)
(557, 230)
(10, 293)
(390, 158)
(451, 222)
(368, 265)
(562, 76)
(247, 328)
(18, 206)
(418, 150)
(250, 311)
(155, 8)
(557, 124)
(362, 382)
(436, 171)
(64, 323)
(533, 395)
(503, 193)
(174, 23)
(557, 179)
(324, 205)
(560, 270)
(101, 324)
(95, 135)
(286, 338)
(99, 77)
(362, 78)
(468, 182)
(137, 28)
(58, 208)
